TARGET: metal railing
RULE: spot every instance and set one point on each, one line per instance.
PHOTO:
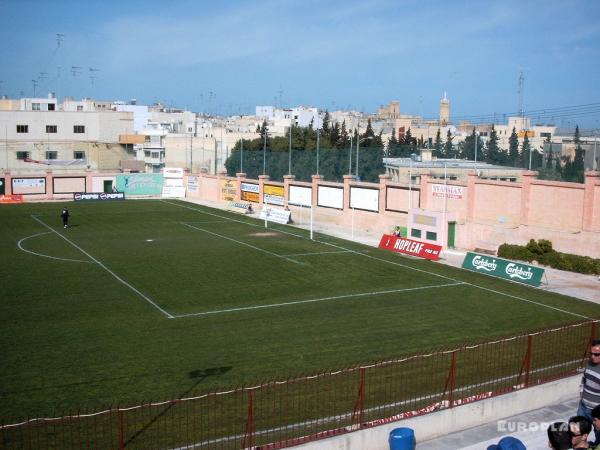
(279, 414)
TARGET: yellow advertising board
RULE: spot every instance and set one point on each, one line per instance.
(273, 190)
(250, 196)
(228, 190)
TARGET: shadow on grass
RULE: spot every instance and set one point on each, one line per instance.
(199, 376)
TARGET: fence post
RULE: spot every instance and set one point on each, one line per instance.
(360, 401)
(249, 436)
(528, 359)
(121, 430)
(451, 380)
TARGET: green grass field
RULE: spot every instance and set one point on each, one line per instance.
(150, 299)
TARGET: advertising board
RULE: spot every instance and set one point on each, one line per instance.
(410, 247)
(503, 268)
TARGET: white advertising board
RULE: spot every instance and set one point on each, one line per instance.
(361, 198)
(173, 172)
(250, 187)
(448, 191)
(300, 195)
(173, 192)
(192, 184)
(330, 197)
(275, 215)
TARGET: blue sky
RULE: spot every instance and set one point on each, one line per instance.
(226, 57)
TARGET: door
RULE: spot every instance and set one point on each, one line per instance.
(2, 186)
(451, 234)
(108, 184)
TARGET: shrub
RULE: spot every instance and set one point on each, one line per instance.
(542, 252)
(545, 245)
(534, 247)
(582, 264)
(515, 252)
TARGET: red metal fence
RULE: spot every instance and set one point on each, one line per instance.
(279, 414)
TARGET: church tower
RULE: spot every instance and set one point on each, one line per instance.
(444, 111)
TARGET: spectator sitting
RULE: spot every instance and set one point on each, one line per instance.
(580, 428)
(249, 211)
(596, 423)
(559, 436)
(508, 443)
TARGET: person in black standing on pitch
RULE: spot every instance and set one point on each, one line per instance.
(65, 217)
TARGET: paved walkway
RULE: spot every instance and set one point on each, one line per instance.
(532, 426)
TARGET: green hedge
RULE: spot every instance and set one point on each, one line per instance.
(543, 253)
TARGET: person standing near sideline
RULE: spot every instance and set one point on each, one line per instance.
(590, 383)
(65, 217)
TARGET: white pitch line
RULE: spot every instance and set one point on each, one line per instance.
(396, 264)
(170, 316)
(315, 300)
(242, 243)
(46, 256)
(528, 301)
(318, 253)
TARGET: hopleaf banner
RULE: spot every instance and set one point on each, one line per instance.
(410, 247)
(503, 268)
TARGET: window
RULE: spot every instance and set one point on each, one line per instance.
(416, 233)
(22, 155)
(79, 107)
(22, 128)
(50, 128)
(78, 129)
(51, 106)
(78, 154)
(156, 155)
(51, 154)
(431, 236)
(35, 106)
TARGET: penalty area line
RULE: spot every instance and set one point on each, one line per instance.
(121, 280)
(314, 300)
(242, 243)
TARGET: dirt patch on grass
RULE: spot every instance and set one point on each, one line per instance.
(264, 233)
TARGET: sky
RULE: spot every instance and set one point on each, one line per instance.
(226, 57)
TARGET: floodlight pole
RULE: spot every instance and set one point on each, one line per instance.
(265, 152)
(290, 153)
(317, 151)
(350, 157)
(242, 155)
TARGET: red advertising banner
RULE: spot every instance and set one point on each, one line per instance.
(11, 198)
(410, 247)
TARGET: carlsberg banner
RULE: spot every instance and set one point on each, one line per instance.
(503, 268)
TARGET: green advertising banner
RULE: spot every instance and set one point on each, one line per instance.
(140, 183)
(503, 268)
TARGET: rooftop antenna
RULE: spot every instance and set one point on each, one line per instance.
(75, 70)
(35, 82)
(520, 91)
(92, 76)
(59, 38)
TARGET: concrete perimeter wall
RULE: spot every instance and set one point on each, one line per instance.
(458, 418)
(485, 213)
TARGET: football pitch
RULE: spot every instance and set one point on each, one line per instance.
(144, 300)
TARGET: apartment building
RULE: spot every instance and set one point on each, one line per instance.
(40, 134)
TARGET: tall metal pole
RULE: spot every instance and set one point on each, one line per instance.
(350, 157)
(357, 147)
(242, 155)
(265, 152)
(290, 152)
(475, 134)
(317, 151)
